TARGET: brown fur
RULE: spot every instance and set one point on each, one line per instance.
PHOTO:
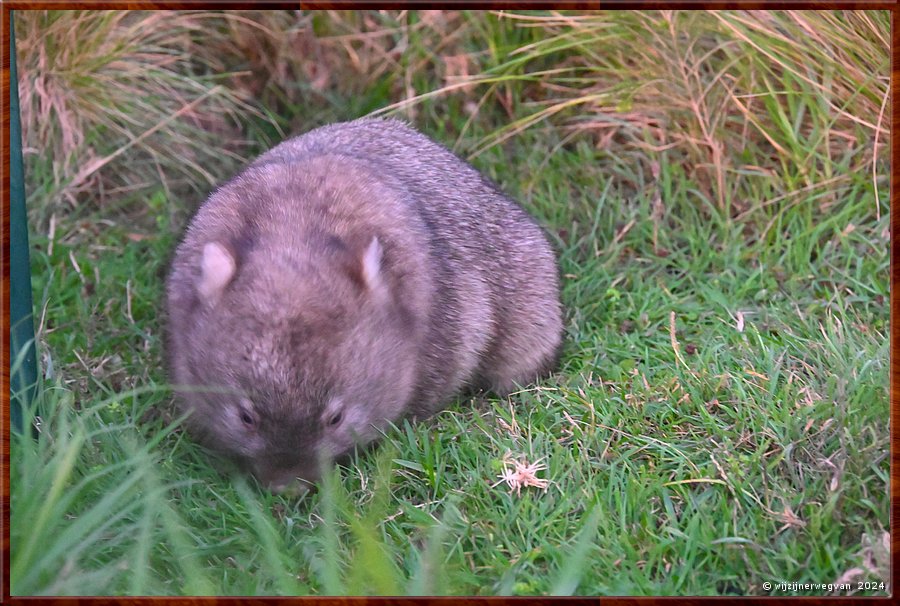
(359, 270)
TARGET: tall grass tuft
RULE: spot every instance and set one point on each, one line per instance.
(291, 59)
(85, 500)
(116, 102)
(745, 101)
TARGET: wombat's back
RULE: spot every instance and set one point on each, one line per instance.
(497, 317)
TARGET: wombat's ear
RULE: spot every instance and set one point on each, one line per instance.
(371, 265)
(217, 267)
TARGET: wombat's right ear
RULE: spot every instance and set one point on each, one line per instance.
(217, 267)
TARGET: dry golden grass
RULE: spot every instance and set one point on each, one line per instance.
(717, 90)
(286, 56)
(714, 88)
(111, 100)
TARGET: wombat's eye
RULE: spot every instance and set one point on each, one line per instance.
(335, 419)
(247, 417)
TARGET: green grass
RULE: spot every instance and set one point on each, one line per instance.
(718, 420)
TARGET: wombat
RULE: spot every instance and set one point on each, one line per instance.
(347, 278)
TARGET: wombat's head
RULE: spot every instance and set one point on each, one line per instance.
(297, 355)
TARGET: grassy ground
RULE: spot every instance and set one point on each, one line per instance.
(719, 420)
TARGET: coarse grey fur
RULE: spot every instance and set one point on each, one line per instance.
(347, 278)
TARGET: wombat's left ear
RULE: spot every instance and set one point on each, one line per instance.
(217, 268)
(371, 265)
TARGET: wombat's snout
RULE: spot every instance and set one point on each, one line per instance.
(293, 488)
(289, 482)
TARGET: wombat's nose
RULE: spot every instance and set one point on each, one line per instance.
(288, 484)
(294, 488)
(284, 477)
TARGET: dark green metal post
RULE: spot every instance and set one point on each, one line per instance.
(23, 379)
